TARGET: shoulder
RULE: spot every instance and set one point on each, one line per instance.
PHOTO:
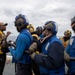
(56, 46)
(56, 43)
(55, 39)
(72, 39)
(23, 37)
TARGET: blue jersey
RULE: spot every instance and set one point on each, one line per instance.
(23, 41)
(71, 51)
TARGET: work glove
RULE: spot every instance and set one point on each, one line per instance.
(32, 55)
(32, 48)
(66, 57)
(11, 43)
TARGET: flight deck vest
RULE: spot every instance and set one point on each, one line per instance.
(2, 36)
(61, 70)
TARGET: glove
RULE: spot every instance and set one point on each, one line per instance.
(33, 48)
(66, 57)
(32, 55)
(11, 43)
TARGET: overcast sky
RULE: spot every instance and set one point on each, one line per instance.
(38, 12)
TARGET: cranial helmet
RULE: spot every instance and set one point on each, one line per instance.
(73, 20)
(51, 25)
(31, 28)
(39, 28)
(23, 17)
(68, 32)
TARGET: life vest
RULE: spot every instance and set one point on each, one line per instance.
(61, 70)
(25, 58)
(65, 43)
(72, 54)
(2, 36)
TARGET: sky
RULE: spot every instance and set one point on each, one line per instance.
(38, 12)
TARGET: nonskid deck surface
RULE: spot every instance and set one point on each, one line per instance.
(9, 69)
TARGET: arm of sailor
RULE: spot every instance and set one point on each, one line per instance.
(20, 47)
(53, 59)
(8, 33)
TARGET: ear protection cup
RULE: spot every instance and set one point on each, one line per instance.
(51, 25)
(68, 32)
(24, 18)
(19, 23)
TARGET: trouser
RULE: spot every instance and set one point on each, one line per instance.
(35, 68)
(2, 63)
(23, 69)
(43, 74)
(73, 74)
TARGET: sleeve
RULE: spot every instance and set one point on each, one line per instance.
(54, 59)
(1, 36)
(20, 47)
(68, 48)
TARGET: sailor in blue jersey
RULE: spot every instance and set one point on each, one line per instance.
(23, 41)
(51, 60)
(71, 49)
